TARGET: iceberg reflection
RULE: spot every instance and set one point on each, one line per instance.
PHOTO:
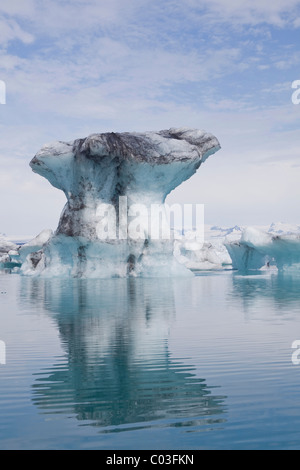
(117, 370)
(255, 292)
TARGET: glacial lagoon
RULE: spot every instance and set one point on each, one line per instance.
(201, 363)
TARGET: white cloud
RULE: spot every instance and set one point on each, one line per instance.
(263, 67)
(106, 77)
(10, 30)
(93, 66)
(276, 12)
(290, 60)
(17, 7)
(56, 18)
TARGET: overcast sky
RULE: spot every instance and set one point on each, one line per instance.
(77, 67)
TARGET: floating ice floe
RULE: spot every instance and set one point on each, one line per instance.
(6, 247)
(207, 254)
(13, 255)
(259, 249)
(34, 245)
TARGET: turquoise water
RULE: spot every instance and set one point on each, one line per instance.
(150, 364)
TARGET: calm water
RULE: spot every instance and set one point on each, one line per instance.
(150, 364)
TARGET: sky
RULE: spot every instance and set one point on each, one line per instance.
(77, 67)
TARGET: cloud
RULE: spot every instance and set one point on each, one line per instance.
(19, 8)
(77, 67)
(276, 12)
(10, 30)
(107, 76)
(54, 18)
(291, 60)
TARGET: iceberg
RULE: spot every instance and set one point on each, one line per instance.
(259, 249)
(198, 256)
(111, 182)
(7, 248)
(14, 255)
(4, 260)
(6, 245)
(209, 252)
(280, 228)
(34, 245)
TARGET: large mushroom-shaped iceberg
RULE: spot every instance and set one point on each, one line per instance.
(111, 181)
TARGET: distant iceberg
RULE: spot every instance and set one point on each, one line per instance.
(98, 172)
(7, 248)
(34, 245)
(15, 254)
(197, 255)
(6, 245)
(259, 249)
